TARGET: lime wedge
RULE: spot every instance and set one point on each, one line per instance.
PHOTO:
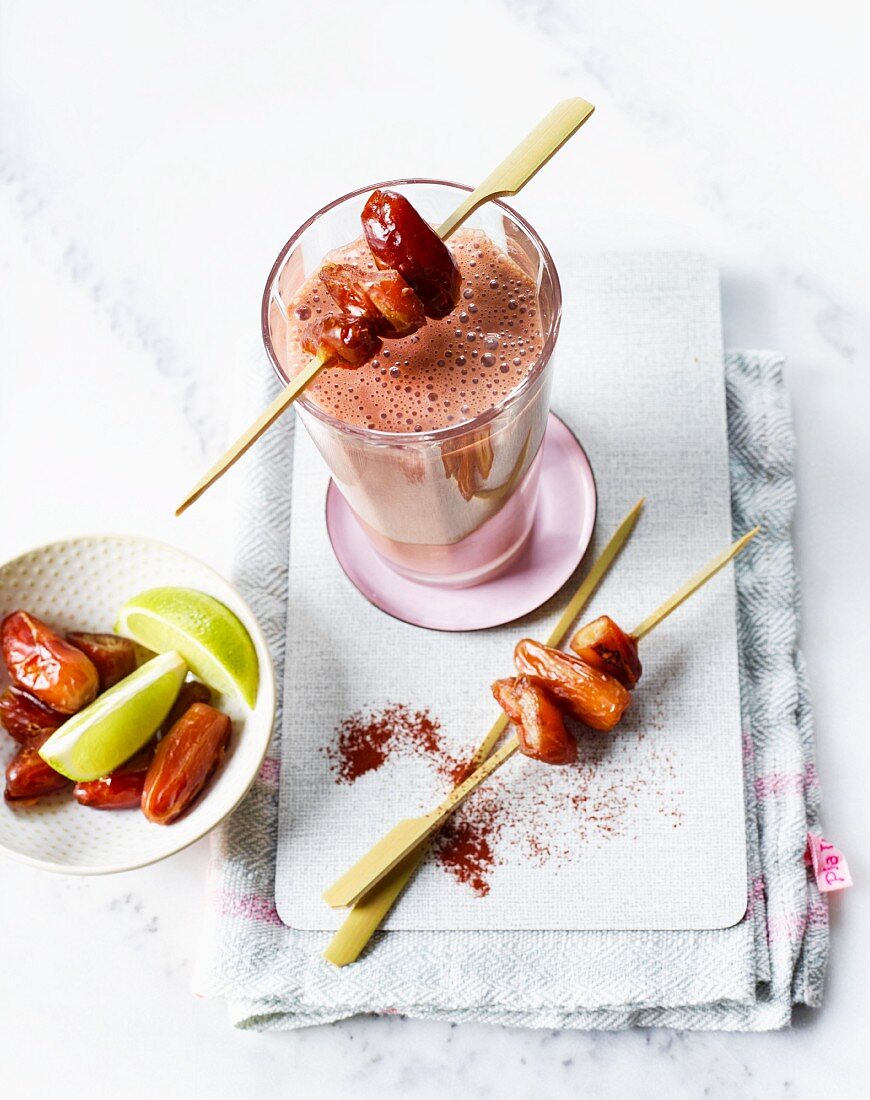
(118, 723)
(208, 636)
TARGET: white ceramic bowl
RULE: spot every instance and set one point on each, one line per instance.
(81, 585)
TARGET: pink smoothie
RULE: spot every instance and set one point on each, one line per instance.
(452, 510)
(449, 371)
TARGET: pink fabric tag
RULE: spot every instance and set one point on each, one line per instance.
(828, 863)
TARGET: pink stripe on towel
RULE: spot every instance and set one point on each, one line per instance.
(270, 770)
(249, 906)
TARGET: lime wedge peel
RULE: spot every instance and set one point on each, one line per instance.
(118, 723)
(211, 639)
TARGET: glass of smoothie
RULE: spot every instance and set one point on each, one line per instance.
(435, 443)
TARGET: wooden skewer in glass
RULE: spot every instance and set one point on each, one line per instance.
(508, 178)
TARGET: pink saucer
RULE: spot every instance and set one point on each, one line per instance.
(556, 545)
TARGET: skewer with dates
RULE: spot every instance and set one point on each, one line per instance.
(416, 277)
(369, 913)
(592, 685)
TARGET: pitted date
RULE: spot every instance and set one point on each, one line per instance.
(342, 341)
(113, 657)
(184, 762)
(605, 645)
(28, 777)
(383, 298)
(399, 238)
(24, 717)
(540, 726)
(122, 788)
(592, 697)
(43, 664)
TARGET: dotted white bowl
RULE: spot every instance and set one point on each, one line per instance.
(81, 584)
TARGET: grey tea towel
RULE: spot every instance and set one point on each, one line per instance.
(741, 978)
(648, 314)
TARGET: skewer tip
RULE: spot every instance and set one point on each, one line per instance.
(744, 541)
(191, 498)
(691, 586)
(635, 511)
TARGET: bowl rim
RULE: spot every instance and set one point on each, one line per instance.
(266, 682)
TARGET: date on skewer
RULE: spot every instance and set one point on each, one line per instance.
(408, 834)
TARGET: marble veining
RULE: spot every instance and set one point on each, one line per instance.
(114, 306)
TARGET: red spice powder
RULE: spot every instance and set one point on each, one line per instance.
(457, 770)
(365, 741)
(467, 845)
(550, 813)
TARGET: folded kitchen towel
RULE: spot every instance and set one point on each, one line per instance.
(742, 978)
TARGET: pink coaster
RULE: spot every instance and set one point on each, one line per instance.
(564, 521)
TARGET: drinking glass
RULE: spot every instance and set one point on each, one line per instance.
(452, 506)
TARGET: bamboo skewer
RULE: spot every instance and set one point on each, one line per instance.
(575, 605)
(529, 157)
(369, 912)
(403, 838)
(249, 437)
(392, 848)
(508, 178)
(692, 585)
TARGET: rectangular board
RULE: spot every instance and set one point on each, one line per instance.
(648, 830)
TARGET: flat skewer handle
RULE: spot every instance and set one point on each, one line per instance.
(377, 863)
(529, 157)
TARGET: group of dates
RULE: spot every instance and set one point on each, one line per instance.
(417, 277)
(592, 687)
(54, 676)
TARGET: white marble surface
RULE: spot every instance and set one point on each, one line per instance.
(154, 156)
